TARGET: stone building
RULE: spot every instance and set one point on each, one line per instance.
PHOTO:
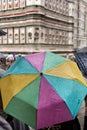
(80, 24)
(37, 25)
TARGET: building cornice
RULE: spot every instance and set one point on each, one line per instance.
(35, 10)
(36, 48)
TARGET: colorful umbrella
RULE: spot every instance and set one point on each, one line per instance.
(43, 89)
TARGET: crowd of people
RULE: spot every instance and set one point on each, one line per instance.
(8, 122)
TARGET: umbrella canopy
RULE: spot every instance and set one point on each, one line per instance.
(2, 32)
(81, 60)
(43, 89)
(84, 49)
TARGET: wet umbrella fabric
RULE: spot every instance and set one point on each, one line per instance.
(44, 89)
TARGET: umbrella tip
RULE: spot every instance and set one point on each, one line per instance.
(41, 74)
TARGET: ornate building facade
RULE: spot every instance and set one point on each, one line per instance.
(37, 25)
(80, 24)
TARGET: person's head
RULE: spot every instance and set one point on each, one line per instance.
(10, 59)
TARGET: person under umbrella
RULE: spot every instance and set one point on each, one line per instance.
(4, 125)
(9, 60)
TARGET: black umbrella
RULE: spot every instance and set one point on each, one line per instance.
(83, 50)
(2, 32)
(81, 59)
